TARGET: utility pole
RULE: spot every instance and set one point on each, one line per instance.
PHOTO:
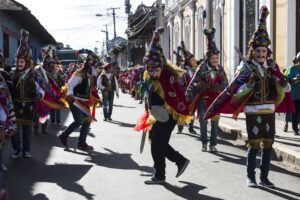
(159, 18)
(127, 11)
(114, 18)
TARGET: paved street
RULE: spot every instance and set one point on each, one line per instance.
(116, 170)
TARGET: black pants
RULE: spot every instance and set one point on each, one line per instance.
(160, 149)
(296, 115)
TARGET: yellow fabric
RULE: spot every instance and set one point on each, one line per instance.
(54, 105)
(262, 143)
(181, 119)
(262, 111)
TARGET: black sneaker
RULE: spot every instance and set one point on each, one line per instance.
(251, 182)
(182, 167)
(192, 131)
(155, 180)
(266, 183)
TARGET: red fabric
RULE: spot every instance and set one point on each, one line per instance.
(141, 123)
(223, 103)
(174, 95)
(287, 104)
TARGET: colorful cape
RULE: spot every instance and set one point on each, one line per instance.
(175, 102)
(7, 105)
(51, 100)
(225, 103)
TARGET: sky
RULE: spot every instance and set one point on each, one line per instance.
(74, 22)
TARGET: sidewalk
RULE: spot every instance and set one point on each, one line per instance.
(286, 146)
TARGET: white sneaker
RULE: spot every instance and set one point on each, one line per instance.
(4, 168)
(204, 147)
(16, 154)
(26, 154)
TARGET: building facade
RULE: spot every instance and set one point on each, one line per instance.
(235, 21)
(14, 17)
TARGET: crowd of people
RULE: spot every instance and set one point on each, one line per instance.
(174, 95)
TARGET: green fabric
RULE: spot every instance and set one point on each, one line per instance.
(286, 73)
(294, 71)
(243, 92)
(280, 94)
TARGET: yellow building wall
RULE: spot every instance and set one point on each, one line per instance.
(197, 39)
(279, 31)
(187, 12)
(225, 37)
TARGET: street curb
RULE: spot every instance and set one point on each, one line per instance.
(287, 156)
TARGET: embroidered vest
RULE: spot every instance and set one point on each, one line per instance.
(264, 90)
(24, 89)
(82, 90)
(109, 84)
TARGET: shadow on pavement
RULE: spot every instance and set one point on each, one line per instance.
(24, 174)
(189, 191)
(30, 172)
(112, 160)
(40, 196)
(288, 138)
(124, 106)
(241, 160)
(277, 191)
(123, 124)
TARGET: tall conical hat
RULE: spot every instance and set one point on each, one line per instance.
(211, 45)
(24, 50)
(154, 57)
(92, 60)
(179, 58)
(187, 55)
(47, 59)
(261, 37)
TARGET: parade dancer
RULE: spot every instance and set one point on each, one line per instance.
(108, 84)
(57, 77)
(25, 93)
(209, 80)
(188, 63)
(168, 106)
(259, 90)
(81, 93)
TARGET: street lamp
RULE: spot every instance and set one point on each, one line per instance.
(99, 15)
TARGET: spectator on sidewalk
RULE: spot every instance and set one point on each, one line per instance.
(294, 79)
(287, 116)
(108, 84)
